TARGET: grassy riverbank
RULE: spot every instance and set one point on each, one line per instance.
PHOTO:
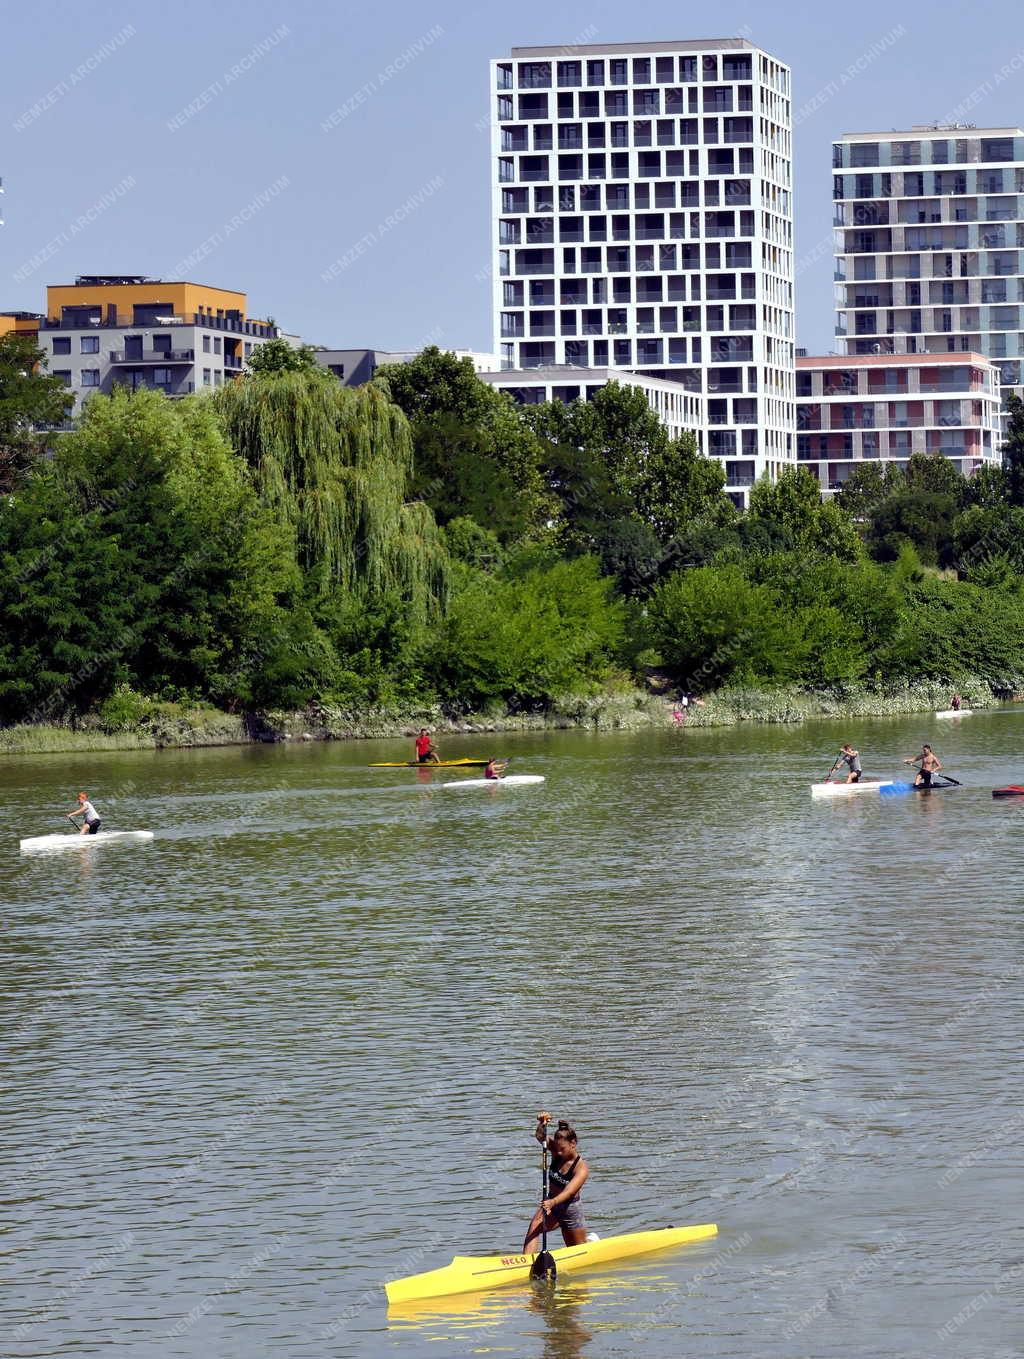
(617, 709)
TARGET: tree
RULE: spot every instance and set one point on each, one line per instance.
(678, 487)
(1013, 450)
(278, 356)
(139, 555)
(935, 475)
(527, 635)
(922, 518)
(28, 399)
(711, 626)
(335, 464)
(473, 452)
(868, 484)
(793, 504)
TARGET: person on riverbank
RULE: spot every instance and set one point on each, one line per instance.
(90, 816)
(495, 769)
(956, 702)
(425, 752)
(567, 1175)
(928, 764)
(851, 758)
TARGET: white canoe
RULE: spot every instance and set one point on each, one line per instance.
(955, 712)
(494, 783)
(68, 840)
(848, 789)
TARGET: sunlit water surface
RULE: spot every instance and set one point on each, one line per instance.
(294, 1047)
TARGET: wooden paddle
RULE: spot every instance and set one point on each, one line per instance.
(544, 1266)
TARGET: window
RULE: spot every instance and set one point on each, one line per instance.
(161, 377)
(161, 344)
(206, 377)
(206, 344)
(216, 344)
(64, 374)
(90, 344)
(90, 377)
(62, 344)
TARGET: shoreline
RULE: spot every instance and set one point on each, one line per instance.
(618, 709)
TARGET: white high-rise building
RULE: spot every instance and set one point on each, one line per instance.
(642, 215)
(930, 243)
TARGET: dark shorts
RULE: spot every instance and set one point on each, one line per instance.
(425, 759)
(93, 827)
(926, 778)
(570, 1215)
(855, 773)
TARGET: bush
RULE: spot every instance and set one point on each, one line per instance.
(124, 709)
(527, 635)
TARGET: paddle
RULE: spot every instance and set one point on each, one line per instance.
(544, 1266)
(833, 769)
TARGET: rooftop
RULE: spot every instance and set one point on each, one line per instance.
(890, 360)
(615, 48)
(928, 132)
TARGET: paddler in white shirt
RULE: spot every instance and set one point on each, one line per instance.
(90, 816)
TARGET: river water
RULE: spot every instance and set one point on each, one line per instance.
(294, 1047)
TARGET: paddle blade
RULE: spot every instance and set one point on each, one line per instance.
(544, 1267)
(897, 789)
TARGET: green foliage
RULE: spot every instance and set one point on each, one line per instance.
(792, 505)
(922, 519)
(278, 356)
(28, 398)
(138, 555)
(474, 454)
(335, 464)
(526, 636)
(713, 626)
(124, 709)
(1013, 450)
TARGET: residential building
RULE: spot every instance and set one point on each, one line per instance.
(353, 367)
(642, 222)
(679, 409)
(104, 330)
(19, 323)
(885, 407)
(930, 243)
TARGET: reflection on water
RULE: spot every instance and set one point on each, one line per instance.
(294, 1047)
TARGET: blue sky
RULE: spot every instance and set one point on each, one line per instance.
(261, 146)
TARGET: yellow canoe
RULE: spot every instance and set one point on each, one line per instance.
(469, 1273)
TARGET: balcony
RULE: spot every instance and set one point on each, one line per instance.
(163, 359)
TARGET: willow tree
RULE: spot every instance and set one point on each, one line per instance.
(336, 463)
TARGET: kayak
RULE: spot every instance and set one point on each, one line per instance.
(955, 712)
(899, 789)
(493, 783)
(469, 1273)
(429, 764)
(1011, 790)
(848, 789)
(66, 840)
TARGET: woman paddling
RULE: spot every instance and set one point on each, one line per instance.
(567, 1175)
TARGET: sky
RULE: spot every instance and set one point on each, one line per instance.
(331, 160)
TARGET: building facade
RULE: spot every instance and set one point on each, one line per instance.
(930, 243)
(678, 409)
(353, 367)
(885, 407)
(642, 221)
(177, 338)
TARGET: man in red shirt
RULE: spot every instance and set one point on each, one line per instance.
(425, 752)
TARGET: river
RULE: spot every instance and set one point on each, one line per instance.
(294, 1047)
